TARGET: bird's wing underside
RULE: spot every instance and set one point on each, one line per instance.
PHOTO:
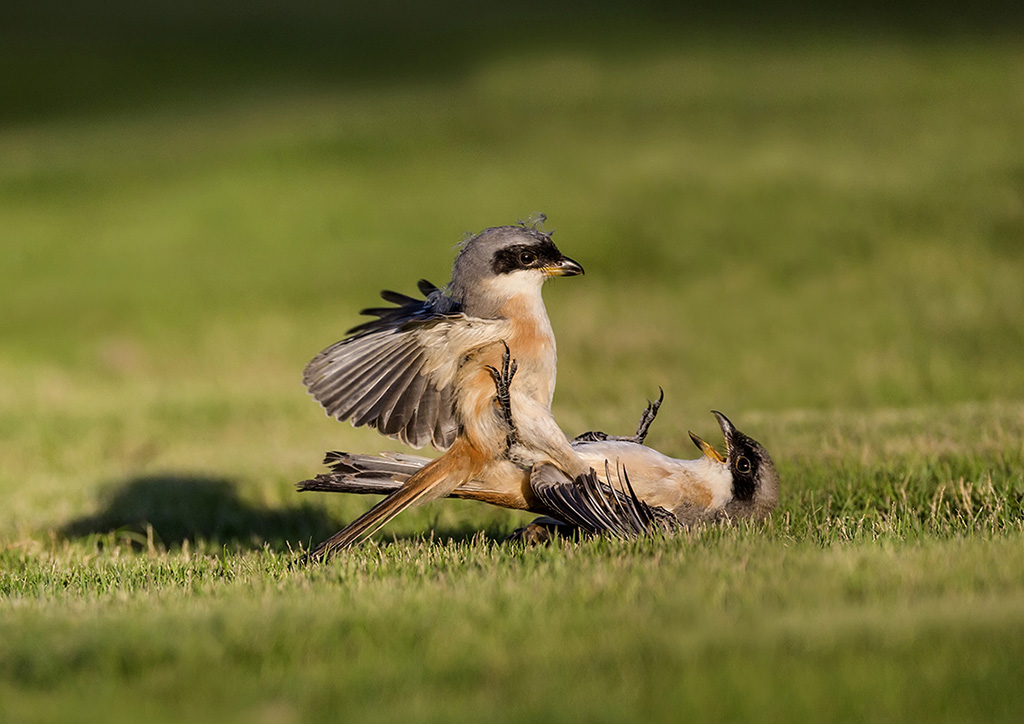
(598, 508)
(396, 373)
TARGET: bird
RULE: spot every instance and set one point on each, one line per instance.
(640, 489)
(422, 373)
(628, 488)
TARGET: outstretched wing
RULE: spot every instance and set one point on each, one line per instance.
(396, 373)
(598, 508)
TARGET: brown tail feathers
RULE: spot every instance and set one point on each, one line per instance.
(435, 480)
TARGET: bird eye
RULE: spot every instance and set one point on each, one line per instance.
(742, 465)
(527, 257)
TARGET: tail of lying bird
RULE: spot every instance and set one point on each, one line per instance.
(366, 474)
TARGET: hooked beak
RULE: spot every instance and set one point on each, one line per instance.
(564, 267)
(728, 429)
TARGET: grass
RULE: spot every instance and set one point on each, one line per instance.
(820, 237)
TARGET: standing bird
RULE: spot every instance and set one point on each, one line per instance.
(421, 373)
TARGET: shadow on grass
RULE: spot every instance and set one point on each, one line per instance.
(169, 509)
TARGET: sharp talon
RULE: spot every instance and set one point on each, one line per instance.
(508, 365)
(502, 398)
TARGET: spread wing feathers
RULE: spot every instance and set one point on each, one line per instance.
(598, 508)
(380, 474)
(408, 310)
(396, 373)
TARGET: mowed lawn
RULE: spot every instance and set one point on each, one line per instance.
(824, 239)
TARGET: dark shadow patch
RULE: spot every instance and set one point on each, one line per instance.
(113, 56)
(168, 509)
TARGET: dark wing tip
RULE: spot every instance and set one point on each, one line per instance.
(426, 287)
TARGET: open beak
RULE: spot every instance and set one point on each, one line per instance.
(728, 431)
(564, 267)
(707, 448)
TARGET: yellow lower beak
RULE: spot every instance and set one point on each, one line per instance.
(707, 448)
(565, 267)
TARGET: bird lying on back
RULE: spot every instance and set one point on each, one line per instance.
(629, 489)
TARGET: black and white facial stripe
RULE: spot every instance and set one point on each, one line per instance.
(745, 458)
(537, 255)
(744, 462)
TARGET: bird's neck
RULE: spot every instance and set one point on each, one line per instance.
(532, 344)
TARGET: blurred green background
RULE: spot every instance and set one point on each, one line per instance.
(789, 210)
(811, 218)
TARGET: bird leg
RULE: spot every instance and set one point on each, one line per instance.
(641, 431)
(502, 398)
(540, 530)
(647, 418)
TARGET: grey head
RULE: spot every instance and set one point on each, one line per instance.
(755, 482)
(502, 261)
